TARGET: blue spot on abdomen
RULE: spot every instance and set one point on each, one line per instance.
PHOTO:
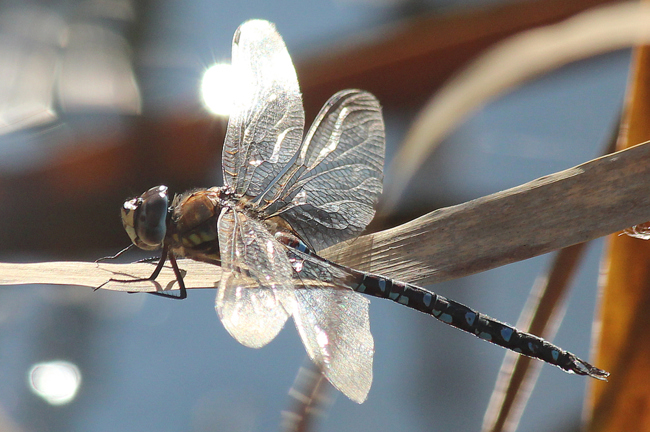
(427, 299)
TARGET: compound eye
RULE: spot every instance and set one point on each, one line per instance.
(145, 218)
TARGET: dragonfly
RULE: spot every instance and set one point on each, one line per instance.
(284, 199)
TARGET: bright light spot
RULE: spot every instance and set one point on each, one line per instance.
(218, 89)
(57, 382)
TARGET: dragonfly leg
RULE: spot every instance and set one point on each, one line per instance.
(177, 272)
(112, 257)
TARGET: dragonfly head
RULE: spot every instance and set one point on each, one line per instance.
(145, 218)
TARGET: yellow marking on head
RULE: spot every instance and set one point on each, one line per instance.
(129, 223)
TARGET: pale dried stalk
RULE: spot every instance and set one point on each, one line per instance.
(597, 198)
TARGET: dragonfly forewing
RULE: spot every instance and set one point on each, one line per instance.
(267, 120)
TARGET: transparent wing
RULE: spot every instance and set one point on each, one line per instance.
(334, 327)
(256, 294)
(266, 125)
(329, 193)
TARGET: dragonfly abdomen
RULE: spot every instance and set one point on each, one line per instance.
(448, 311)
(464, 318)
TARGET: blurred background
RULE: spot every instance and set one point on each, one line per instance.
(101, 99)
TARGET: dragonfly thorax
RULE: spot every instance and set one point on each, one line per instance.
(192, 227)
(145, 218)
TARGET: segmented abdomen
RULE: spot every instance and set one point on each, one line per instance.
(471, 321)
(448, 311)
